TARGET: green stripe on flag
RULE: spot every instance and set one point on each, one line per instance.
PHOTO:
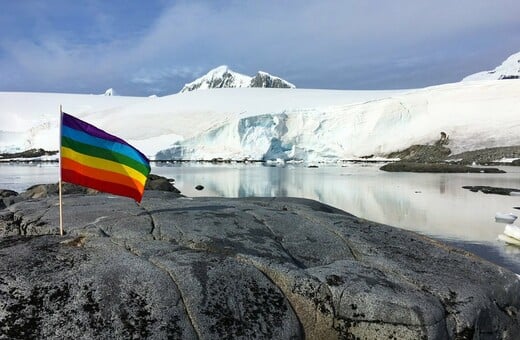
(107, 154)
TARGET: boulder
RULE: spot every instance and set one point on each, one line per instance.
(250, 268)
(46, 190)
(156, 182)
(8, 197)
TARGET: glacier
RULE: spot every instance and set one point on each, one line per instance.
(474, 115)
(274, 124)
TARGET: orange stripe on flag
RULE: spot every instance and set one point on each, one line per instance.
(100, 174)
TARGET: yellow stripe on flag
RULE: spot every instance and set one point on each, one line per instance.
(103, 164)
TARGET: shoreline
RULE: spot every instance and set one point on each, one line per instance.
(419, 154)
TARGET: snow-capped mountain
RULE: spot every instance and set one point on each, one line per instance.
(509, 69)
(224, 77)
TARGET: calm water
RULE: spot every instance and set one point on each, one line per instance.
(431, 204)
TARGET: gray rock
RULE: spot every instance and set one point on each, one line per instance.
(156, 182)
(491, 190)
(261, 268)
(46, 190)
(404, 166)
(438, 152)
(4, 193)
(8, 197)
(422, 153)
(31, 153)
(489, 156)
(262, 79)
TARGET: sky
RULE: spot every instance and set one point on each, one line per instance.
(141, 48)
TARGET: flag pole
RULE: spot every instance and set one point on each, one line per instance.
(59, 182)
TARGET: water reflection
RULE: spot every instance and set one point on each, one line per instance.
(19, 177)
(432, 204)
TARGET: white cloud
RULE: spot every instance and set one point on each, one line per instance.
(152, 76)
(282, 37)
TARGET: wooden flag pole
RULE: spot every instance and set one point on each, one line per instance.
(59, 182)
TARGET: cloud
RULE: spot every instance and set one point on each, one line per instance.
(164, 44)
(153, 76)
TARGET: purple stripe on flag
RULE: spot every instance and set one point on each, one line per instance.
(78, 124)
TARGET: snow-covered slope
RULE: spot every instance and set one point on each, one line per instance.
(259, 123)
(30, 120)
(510, 69)
(475, 115)
(223, 77)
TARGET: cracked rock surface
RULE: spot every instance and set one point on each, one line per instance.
(223, 268)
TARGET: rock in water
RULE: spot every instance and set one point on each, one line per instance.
(265, 268)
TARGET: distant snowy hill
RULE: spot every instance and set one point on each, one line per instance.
(276, 124)
(223, 77)
(110, 92)
(510, 69)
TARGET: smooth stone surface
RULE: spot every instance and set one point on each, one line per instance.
(263, 268)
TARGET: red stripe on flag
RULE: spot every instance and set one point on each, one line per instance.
(102, 175)
(74, 177)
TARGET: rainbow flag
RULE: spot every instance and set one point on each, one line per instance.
(95, 159)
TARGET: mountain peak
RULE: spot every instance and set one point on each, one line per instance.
(509, 69)
(219, 69)
(223, 77)
(264, 79)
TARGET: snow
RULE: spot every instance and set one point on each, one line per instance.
(205, 82)
(276, 125)
(474, 115)
(509, 69)
(110, 92)
(30, 119)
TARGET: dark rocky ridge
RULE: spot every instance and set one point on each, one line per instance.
(437, 158)
(265, 268)
(438, 152)
(488, 156)
(265, 80)
(492, 190)
(31, 153)
(403, 166)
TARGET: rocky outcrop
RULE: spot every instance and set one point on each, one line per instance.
(263, 79)
(493, 190)
(490, 156)
(422, 153)
(31, 153)
(403, 166)
(265, 268)
(8, 197)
